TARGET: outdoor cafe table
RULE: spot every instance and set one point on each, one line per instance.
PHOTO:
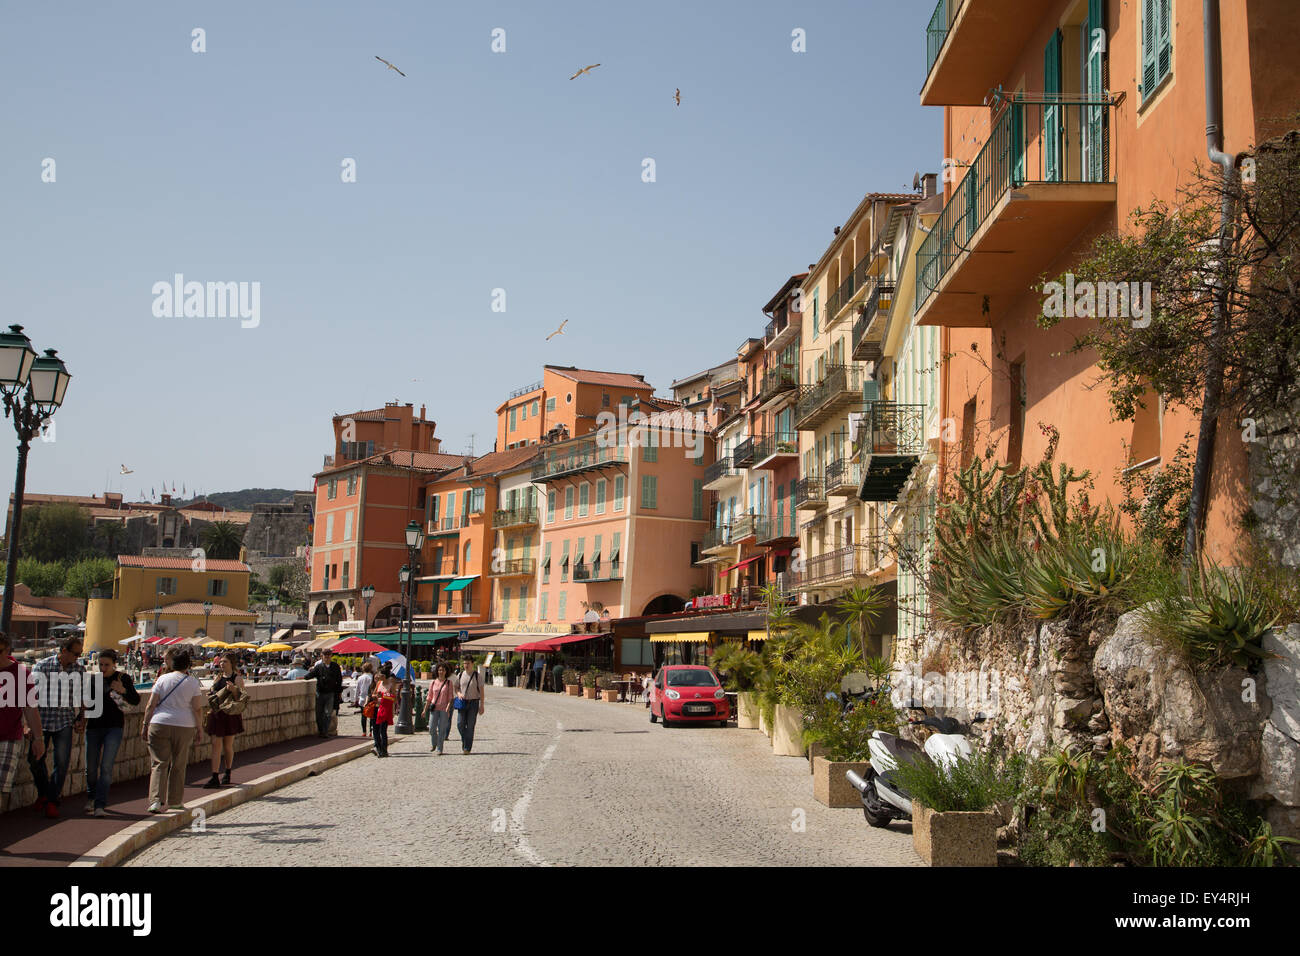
(625, 689)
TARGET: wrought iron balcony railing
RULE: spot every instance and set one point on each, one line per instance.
(810, 491)
(1050, 139)
(839, 389)
(719, 469)
(744, 453)
(514, 567)
(776, 528)
(778, 443)
(576, 456)
(716, 538)
(892, 429)
(850, 287)
(743, 526)
(936, 34)
(776, 380)
(514, 517)
(841, 474)
(867, 340)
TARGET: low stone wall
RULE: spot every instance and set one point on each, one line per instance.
(283, 710)
(1048, 687)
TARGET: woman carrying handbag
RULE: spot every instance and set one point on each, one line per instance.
(439, 702)
(227, 700)
(384, 696)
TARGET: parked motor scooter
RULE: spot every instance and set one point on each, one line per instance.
(883, 798)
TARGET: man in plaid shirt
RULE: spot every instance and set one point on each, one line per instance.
(62, 712)
(16, 686)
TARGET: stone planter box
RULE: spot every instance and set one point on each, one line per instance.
(831, 787)
(747, 715)
(589, 693)
(609, 696)
(762, 724)
(573, 690)
(787, 734)
(815, 749)
(956, 838)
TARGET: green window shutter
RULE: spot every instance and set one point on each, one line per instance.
(584, 500)
(620, 492)
(697, 500)
(1150, 76)
(505, 604)
(543, 605)
(564, 600)
(649, 489)
(550, 507)
(1094, 153)
(651, 450)
(816, 308)
(1165, 45)
(1051, 113)
(568, 502)
(600, 496)
(523, 602)
(513, 422)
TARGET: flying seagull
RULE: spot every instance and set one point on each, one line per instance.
(678, 96)
(389, 65)
(127, 471)
(585, 69)
(559, 331)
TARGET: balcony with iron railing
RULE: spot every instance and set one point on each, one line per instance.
(1045, 173)
(583, 454)
(843, 565)
(842, 477)
(448, 524)
(716, 539)
(744, 453)
(598, 571)
(720, 473)
(778, 381)
(869, 329)
(973, 45)
(514, 568)
(848, 290)
(744, 526)
(780, 528)
(782, 330)
(514, 517)
(890, 443)
(839, 391)
(774, 450)
(810, 492)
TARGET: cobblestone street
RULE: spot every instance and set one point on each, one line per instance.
(553, 780)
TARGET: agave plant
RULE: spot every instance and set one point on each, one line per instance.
(1084, 569)
(1221, 619)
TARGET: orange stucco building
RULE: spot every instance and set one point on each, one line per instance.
(1061, 117)
(564, 403)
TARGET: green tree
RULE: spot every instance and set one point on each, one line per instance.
(88, 574)
(110, 534)
(1223, 338)
(222, 539)
(290, 583)
(55, 532)
(45, 578)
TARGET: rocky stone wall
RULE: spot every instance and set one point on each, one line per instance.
(276, 711)
(1049, 687)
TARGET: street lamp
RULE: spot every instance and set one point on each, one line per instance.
(207, 613)
(33, 391)
(272, 602)
(414, 541)
(367, 595)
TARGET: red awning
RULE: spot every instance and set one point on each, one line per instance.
(741, 564)
(160, 639)
(554, 642)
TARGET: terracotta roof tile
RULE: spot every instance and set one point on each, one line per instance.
(595, 377)
(178, 564)
(25, 612)
(196, 608)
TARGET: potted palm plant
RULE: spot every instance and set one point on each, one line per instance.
(589, 684)
(740, 667)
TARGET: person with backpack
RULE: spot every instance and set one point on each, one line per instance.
(469, 703)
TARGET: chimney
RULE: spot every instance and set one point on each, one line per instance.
(421, 412)
(929, 185)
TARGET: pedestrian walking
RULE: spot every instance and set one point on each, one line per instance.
(223, 727)
(539, 672)
(104, 733)
(470, 702)
(437, 707)
(13, 709)
(329, 684)
(364, 683)
(172, 724)
(60, 682)
(384, 695)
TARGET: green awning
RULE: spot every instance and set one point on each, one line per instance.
(458, 585)
(418, 638)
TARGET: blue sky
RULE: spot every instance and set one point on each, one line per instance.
(476, 171)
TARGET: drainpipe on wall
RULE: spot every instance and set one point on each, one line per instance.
(1213, 394)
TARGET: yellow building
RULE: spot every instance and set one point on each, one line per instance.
(176, 597)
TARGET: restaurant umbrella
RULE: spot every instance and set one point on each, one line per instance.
(274, 648)
(397, 660)
(214, 643)
(357, 645)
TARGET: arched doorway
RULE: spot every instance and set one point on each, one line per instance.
(390, 616)
(338, 613)
(321, 615)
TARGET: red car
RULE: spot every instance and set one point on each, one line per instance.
(688, 693)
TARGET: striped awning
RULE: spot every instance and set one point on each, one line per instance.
(685, 637)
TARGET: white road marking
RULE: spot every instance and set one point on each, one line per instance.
(519, 842)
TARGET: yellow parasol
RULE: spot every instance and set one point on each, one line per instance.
(243, 644)
(214, 644)
(274, 648)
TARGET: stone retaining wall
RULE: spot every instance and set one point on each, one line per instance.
(283, 710)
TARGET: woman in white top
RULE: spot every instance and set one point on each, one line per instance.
(172, 724)
(364, 683)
